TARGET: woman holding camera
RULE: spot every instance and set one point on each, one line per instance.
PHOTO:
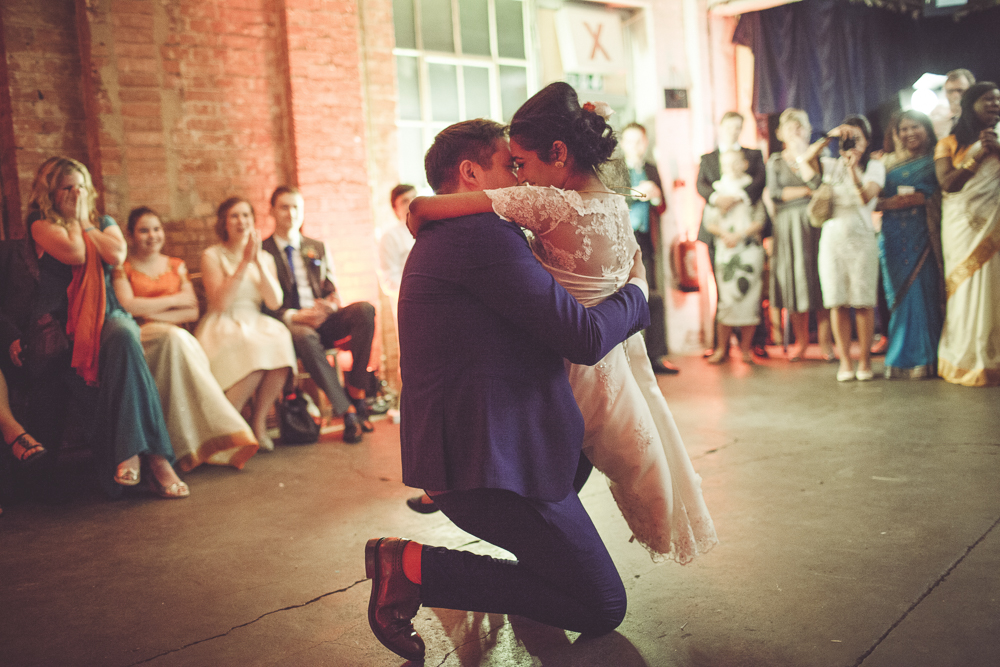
(848, 252)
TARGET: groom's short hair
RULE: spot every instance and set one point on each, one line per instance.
(474, 140)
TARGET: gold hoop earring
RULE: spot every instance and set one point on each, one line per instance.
(559, 164)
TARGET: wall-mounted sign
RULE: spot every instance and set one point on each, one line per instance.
(590, 41)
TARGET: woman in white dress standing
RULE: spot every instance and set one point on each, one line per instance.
(583, 237)
(251, 354)
(848, 250)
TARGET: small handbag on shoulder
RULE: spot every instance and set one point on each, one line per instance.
(820, 208)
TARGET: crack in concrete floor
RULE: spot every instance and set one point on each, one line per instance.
(925, 594)
(243, 625)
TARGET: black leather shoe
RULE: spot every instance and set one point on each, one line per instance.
(761, 352)
(352, 429)
(418, 504)
(364, 415)
(395, 599)
(663, 367)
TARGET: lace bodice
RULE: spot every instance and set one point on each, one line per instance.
(586, 233)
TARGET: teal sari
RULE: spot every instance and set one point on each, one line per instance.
(910, 272)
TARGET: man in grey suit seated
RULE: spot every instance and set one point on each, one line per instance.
(314, 314)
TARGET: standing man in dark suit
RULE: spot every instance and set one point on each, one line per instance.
(645, 216)
(708, 173)
(490, 427)
(314, 314)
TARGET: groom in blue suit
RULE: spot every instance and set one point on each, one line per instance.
(490, 428)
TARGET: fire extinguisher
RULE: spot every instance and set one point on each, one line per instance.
(686, 264)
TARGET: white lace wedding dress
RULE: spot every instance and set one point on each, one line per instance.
(586, 242)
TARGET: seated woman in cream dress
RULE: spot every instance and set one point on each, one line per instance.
(583, 237)
(251, 354)
(204, 427)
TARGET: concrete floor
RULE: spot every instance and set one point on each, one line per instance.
(858, 526)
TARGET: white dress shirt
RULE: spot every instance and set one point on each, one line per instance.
(306, 298)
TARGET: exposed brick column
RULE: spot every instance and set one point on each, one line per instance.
(381, 98)
(328, 121)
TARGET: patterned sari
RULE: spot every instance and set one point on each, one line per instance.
(910, 271)
(969, 353)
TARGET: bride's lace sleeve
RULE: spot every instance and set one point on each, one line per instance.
(538, 209)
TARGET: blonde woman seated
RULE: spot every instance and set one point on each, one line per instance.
(204, 427)
(251, 354)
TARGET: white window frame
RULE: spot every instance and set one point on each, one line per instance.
(430, 127)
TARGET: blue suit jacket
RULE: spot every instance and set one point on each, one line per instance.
(484, 331)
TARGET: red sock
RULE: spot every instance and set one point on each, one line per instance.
(411, 561)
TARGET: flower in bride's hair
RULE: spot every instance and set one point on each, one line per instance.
(602, 109)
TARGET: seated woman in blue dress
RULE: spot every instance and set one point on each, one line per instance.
(76, 250)
(910, 249)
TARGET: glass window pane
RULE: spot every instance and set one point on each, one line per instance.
(411, 155)
(402, 19)
(443, 91)
(409, 87)
(510, 28)
(477, 92)
(474, 20)
(513, 89)
(436, 26)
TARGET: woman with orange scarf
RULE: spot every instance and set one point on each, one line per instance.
(76, 250)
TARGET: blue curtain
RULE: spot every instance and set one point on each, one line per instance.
(833, 57)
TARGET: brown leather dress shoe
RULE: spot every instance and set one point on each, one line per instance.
(395, 599)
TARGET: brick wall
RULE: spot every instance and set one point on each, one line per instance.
(43, 64)
(196, 101)
(379, 77)
(179, 104)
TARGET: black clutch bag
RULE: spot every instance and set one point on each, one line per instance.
(296, 424)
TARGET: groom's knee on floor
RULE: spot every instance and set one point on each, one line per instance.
(607, 613)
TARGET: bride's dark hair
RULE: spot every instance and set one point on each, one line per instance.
(554, 114)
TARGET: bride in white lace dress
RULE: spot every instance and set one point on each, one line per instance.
(582, 236)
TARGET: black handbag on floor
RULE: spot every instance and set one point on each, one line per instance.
(296, 424)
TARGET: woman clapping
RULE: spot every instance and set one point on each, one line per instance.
(251, 354)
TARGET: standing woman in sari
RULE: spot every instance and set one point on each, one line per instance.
(968, 169)
(909, 249)
(76, 250)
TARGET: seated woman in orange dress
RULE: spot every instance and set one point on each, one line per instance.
(204, 426)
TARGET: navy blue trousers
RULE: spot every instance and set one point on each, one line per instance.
(563, 575)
